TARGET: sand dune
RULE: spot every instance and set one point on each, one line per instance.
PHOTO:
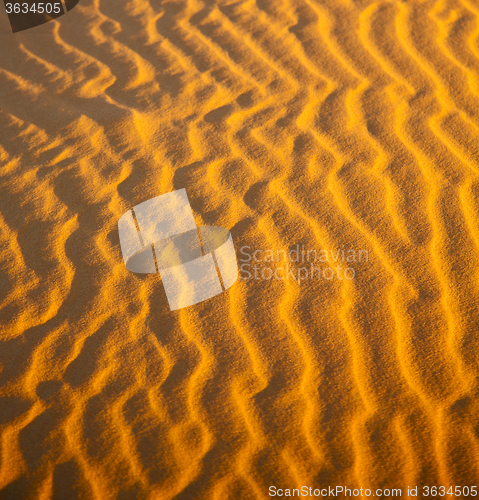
(314, 124)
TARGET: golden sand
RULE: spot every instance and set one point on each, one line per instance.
(332, 124)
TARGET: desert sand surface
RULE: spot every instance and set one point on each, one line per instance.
(334, 125)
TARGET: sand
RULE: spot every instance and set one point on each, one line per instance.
(333, 125)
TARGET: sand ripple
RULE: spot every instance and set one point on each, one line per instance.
(330, 124)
